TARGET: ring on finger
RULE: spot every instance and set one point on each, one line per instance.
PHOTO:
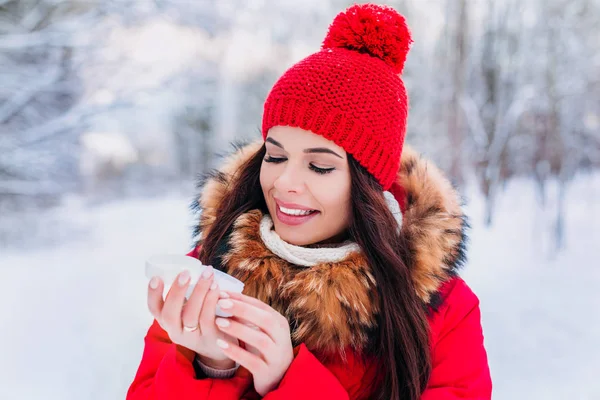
(190, 328)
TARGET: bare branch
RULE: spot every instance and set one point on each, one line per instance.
(474, 120)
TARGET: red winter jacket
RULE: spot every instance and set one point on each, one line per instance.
(460, 368)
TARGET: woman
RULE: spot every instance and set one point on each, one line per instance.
(348, 245)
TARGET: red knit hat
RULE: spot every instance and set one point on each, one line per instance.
(350, 92)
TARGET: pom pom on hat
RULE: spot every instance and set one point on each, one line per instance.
(377, 30)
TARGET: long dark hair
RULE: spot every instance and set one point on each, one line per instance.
(401, 342)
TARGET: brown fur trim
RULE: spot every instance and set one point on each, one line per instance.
(433, 223)
(215, 188)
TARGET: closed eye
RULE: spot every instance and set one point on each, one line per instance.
(278, 160)
(275, 160)
(320, 170)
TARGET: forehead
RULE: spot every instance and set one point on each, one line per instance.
(294, 138)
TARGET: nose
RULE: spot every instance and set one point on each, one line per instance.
(290, 180)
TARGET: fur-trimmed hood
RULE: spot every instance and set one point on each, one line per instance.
(334, 305)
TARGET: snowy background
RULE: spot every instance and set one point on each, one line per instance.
(109, 109)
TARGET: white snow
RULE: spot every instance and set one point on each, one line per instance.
(539, 308)
(74, 314)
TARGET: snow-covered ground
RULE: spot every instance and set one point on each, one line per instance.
(540, 309)
(74, 312)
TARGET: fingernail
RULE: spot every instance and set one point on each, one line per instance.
(223, 295)
(207, 272)
(214, 286)
(154, 282)
(222, 344)
(225, 304)
(222, 322)
(184, 277)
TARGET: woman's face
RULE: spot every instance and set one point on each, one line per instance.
(305, 179)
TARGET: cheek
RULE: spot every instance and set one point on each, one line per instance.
(333, 196)
(267, 177)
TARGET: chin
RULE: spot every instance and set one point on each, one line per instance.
(294, 238)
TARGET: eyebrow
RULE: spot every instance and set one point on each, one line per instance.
(311, 150)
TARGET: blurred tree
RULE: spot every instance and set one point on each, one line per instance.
(458, 32)
(39, 88)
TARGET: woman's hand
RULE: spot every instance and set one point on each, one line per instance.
(265, 333)
(191, 324)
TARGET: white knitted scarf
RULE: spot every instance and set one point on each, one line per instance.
(311, 256)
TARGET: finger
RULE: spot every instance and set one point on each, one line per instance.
(250, 361)
(252, 336)
(190, 315)
(209, 309)
(171, 312)
(252, 350)
(266, 321)
(155, 298)
(250, 300)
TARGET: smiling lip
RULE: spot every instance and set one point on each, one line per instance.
(292, 219)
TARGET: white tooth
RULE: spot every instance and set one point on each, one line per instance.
(291, 211)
